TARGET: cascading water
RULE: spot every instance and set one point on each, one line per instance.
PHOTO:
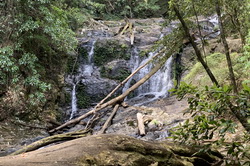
(158, 85)
(73, 102)
(85, 70)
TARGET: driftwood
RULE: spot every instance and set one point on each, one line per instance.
(108, 122)
(141, 126)
(120, 98)
(111, 149)
(128, 27)
(52, 139)
(124, 28)
(132, 35)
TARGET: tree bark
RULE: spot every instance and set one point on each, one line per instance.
(52, 139)
(196, 49)
(199, 29)
(225, 44)
(112, 149)
(141, 126)
(120, 98)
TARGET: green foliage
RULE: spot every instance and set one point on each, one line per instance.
(245, 59)
(210, 109)
(106, 52)
(34, 37)
(72, 65)
(130, 9)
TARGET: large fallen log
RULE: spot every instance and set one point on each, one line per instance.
(110, 149)
(52, 139)
(160, 62)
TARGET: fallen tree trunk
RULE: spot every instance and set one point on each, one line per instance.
(111, 149)
(141, 126)
(108, 122)
(126, 80)
(52, 139)
(120, 98)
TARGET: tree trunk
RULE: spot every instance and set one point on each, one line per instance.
(141, 126)
(196, 49)
(225, 44)
(112, 149)
(120, 98)
(199, 29)
(108, 122)
(52, 139)
(126, 80)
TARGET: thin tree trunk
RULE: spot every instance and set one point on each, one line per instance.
(141, 126)
(199, 29)
(108, 122)
(197, 51)
(225, 44)
(120, 98)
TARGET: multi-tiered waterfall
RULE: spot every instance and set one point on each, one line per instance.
(158, 85)
(146, 33)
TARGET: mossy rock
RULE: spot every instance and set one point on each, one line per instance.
(119, 74)
(83, 99)
(72, 65)
(107, 51)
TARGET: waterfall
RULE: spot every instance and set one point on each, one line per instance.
(73, 102)
(134, 63)
(158, 85)
(85, 70)
(88, 68)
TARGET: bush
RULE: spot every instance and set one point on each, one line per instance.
(213, 111)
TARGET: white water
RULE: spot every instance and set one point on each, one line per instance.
(134, 63)
(158, 85)
(85, 70)
(88, 68)
(73, 102)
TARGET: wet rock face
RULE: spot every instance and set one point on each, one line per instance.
(108, 63)
(116, 70)
(97, 88)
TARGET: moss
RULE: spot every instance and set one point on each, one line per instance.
(120, 75)
(72, 66)
(83, 100)
(106, 52)
(67, 98)
(82, 52)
